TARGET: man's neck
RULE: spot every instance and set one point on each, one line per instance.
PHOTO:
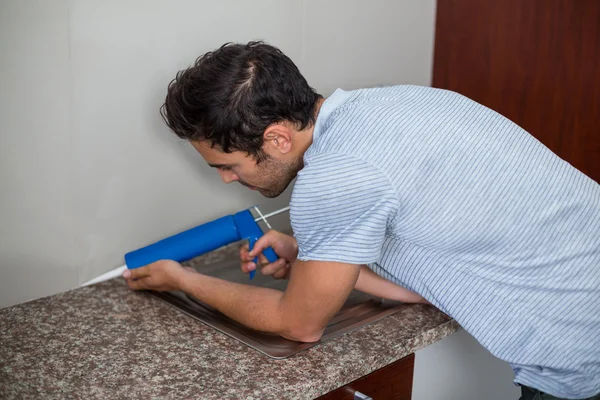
(305, 137)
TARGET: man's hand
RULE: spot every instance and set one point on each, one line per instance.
(161, 276)
(284, 246)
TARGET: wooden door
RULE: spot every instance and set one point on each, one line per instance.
(536, 62)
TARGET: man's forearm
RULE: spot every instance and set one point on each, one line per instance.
(315, 292)
(371, 283)
(255, 307)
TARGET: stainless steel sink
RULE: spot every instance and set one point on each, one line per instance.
(359, 309)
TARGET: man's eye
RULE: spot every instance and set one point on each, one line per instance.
(225, 168)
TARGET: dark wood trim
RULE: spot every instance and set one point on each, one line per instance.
(390, 382)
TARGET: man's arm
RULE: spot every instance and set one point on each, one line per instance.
(316, 291)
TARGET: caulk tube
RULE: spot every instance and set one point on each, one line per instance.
(188, 244)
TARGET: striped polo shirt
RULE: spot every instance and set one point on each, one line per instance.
(449, 199)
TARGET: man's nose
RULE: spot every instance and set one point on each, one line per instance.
(228, 176)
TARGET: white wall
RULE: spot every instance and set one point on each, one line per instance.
(88, 171)
(38, 255)
(459, 368)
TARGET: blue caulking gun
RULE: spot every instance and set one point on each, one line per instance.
(205, 238)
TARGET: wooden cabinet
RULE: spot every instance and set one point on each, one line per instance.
(391, 382)
(537, 62)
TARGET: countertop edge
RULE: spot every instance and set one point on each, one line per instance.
(414, 344)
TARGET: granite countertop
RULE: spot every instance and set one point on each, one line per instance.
(106, 341)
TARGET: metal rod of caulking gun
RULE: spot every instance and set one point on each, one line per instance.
(264, 217)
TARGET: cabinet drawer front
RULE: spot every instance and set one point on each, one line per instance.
(391, 382)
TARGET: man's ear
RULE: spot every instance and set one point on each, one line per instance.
(278, 137)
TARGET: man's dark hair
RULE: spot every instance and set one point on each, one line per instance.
(231, 95)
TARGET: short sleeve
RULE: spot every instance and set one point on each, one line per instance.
(340, 209)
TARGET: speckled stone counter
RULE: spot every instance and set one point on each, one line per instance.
(108, 342)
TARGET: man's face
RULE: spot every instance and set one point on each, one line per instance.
(270, 177)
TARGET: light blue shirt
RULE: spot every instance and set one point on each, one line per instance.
(452, 200)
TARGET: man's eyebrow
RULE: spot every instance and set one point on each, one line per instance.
(219, 165)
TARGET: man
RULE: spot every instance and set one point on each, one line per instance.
(432, 191)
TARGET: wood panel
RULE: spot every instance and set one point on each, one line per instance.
(536, 62)
(391, 382)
